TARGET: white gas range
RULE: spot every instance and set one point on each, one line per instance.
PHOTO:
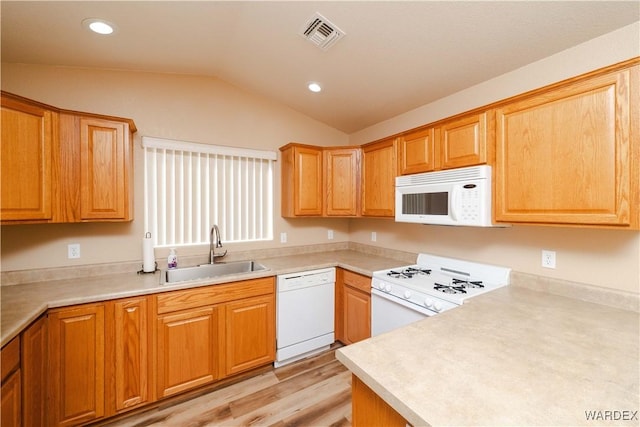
(434, 284)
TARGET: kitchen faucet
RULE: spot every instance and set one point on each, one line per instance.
(212, 253)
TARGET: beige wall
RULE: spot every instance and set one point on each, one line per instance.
(188, 108)
(208, 110)
(606, 258)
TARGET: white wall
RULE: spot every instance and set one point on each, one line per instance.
(606, 258)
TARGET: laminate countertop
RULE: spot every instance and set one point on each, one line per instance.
(512, 356)
(23, 303)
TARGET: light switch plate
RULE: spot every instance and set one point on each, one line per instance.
(283, 237)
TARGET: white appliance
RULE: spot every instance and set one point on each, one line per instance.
(400, 296)
(305, 306)
(450, 197)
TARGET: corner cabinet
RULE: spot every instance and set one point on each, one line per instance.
(320, 181)
(379, 165)
(570, 154)
(63, 166)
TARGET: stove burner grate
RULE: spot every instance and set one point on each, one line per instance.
(408, 273)
(449, 289)
(468, 283)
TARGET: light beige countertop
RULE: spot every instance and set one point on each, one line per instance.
(25, 302)
(513, 356)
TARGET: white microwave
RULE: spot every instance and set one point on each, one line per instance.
(450, 197)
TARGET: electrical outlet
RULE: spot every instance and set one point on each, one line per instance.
(374, 236)
(73, 250)
(283, 237)
(548, 259)
(330, 234)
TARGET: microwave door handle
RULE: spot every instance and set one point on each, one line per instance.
(455, 195)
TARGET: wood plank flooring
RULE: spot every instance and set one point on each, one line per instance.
(312, 392)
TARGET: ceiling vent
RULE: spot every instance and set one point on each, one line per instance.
(322, 33)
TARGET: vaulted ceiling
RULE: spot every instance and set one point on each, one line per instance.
(394, 56)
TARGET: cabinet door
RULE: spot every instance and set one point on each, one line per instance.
(378, 178)
(35, 350)
(417, 152)
(105, 169)
(128, 353)
(342, 181)
(249, 333)
(463, 141)
(187, 350)
(10, 406)
(563, 156)
(301, 180)
(25, 168)
(76, 354)
(357, 315)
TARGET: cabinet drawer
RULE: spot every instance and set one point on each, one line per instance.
(10, 358)
(357, 281)
(214, 294)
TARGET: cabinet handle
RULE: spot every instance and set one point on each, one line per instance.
(131, 309)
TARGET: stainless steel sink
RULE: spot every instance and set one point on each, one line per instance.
(205, 271)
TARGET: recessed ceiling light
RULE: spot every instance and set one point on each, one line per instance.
(99, 26)
(314, 87)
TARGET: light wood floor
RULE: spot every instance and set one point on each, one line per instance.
(312, 392)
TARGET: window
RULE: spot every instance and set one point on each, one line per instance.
(189, 187)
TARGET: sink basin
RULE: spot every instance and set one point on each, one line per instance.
(205, 271)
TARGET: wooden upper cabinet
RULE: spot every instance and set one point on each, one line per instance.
(25, 162)
(106, 169)
(564, 155)
(379, 165)
(342, 181)
(64, 166)
(417, 151)
(463, 141)
(301, 180)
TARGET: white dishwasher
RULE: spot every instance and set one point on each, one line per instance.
(304, 314)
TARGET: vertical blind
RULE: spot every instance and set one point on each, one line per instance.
(189, 187)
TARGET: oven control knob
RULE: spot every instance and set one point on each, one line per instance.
(437, 306)
(407, 294)
(428, 303)
(387, 287)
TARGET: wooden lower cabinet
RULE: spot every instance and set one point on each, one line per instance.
(207, 333)
(10, 391)
(187, 349)
(128, 354)
(369, 409)
(77, 365)
(353, 307)
(11, 403)
(35, 374)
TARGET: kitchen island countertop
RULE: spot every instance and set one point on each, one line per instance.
(23, 303)
(512, 356)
